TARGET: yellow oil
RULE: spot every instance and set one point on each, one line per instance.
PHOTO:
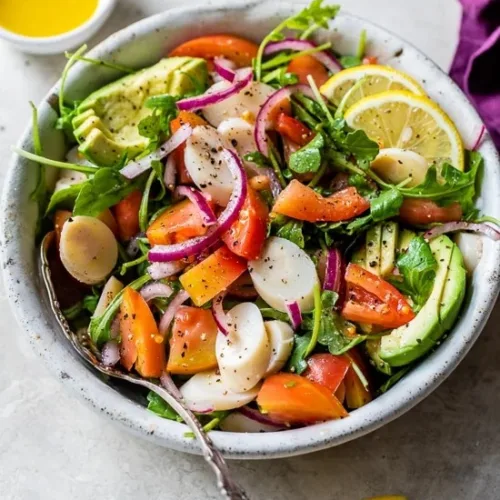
(44, 18)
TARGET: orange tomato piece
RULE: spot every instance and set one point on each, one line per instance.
(303, 203)
(370, 60)
(142, 339)
(192, 344)
(340, 392)
(370, 299)
(126, 214)
(178, 223)
(292, 399)
(306, 65)
(212, 275)
(247, 235)
(295, 130)
(327, 370)
(60, 217)
(182, 118)
(417, 211)
(356, 394)
(236, 49)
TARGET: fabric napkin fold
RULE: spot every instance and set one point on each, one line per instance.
(476, 67)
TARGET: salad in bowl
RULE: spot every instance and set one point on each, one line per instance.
(283, 232)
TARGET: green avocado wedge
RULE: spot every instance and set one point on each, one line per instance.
(106, 124)
(411, 341)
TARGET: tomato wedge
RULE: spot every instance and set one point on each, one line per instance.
(303, 203)
(126, 214)
(293, 399)
(327, 370)
(192, 344)
(247, 235)
(182, 118)
(293, 129)
(306, 65)
(356, 393)
(417, 211)
(178, 223)
(236, 49)
(370, 299)
(141, 345)
(212, 275)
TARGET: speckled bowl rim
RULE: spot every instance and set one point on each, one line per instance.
(34, 319)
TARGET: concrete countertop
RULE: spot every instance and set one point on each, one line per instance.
(52, 447)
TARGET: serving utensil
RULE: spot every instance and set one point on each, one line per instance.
(168, 391)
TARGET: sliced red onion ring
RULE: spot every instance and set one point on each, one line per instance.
(334, 274)
(155, 290)
(200, 201)
(168, 253)
(479, 138)
(220, 316)
(257, 416)
(170, 173)
(325, 58)
(293, 310)
(135, 168)
(160, 270)
(263, 123)
(475, 227)
(224, 68)
(243, 78)
(132, 247)
(110, 354)
(169, 314)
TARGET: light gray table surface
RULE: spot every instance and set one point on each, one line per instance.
(53, 447)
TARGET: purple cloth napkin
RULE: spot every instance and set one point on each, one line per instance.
(476, 67)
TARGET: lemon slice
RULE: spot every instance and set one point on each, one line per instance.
(376, 79)
(400, 119)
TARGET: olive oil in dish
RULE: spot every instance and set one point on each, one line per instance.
(33, 18)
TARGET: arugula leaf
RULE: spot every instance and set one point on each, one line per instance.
(306, 20)
(292, 231)
(363, 185)
(361, 146)
(158, 405)
(258, 158)
(297, 362)
(105, 189)
(386, 205)
(64, 197)
(156, 127)
(350, 61)
(395, 379)
(159, 169)
(418, 270)
(308, 158)
(163, 101)
(98, 62)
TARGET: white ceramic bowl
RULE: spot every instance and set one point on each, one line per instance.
(143, 44)
(60, 43)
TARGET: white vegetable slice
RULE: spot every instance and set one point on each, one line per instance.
(396, 165)
(111, 289)
(471, 246)
(237, 422)
(88, 249)
(243, 355)
(68, 178)
(206, 392)
(240, 134)
(284, 272)
(248, 101)
(205, 165)
(280, 336)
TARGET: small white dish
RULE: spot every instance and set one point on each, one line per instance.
(66, 41)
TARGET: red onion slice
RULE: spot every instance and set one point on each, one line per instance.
(479, 138)
(334, 273)
(155, 290)
(224, 68)
(160, 270)
(293, 310)
(136, 168)
(110, 354)
(168, 253)
(220, 316)
(170, 173)
(325, 58)
(475, 227)
(200, 201)
(243, 78)
(257, 416)
(133, 248)
(169, 314)
(263, 123)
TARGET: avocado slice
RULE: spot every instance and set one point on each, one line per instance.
(411, 341)
(106, 124)
(372, 347)
(373, 248)
(388, 246)
(405, 237)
